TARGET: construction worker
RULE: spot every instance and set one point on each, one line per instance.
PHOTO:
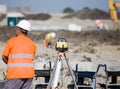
(49, 39)
(99, 23)
(18, 55)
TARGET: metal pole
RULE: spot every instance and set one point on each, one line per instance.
(72, 75)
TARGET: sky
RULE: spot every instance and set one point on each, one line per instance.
(57, 6)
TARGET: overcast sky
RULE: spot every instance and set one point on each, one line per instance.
(58, 5)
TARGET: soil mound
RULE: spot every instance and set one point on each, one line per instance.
(39, 16)
(111, 37)
(89, 14)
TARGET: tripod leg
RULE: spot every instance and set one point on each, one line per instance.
(52, 76)
(72, 75)
(57, 73)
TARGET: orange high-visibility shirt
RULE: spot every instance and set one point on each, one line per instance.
(98, 22)
(21, 52)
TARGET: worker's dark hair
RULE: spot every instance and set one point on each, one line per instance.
(23, 31)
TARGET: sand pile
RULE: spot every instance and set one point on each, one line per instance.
(89, 14)
(39, 16)
(111, 37)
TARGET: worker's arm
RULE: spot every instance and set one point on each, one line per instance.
(5, 59)
(6, 53)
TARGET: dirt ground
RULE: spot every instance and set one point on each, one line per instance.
(86, 46)
(92, 46)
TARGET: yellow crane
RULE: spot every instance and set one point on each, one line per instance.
(113, 12)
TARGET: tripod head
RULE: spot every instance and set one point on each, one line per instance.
(61, 45)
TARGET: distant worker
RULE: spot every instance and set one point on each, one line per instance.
(18, 55)
(49, 39)
(99, 23)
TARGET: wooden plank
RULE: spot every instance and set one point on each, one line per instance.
(113, 66)
(42, 65)
(84, 66)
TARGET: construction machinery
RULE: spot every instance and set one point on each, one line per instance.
(113, 12)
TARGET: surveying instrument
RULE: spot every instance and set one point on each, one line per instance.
(61, 46)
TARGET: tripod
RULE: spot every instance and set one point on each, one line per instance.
(54, 78)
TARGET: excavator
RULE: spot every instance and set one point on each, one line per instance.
(113, 12)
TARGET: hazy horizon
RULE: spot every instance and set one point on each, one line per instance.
(58, 5)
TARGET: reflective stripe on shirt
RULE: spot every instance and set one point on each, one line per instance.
(20, 65)
(21, 56)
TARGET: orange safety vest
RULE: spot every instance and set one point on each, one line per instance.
(20, 51)
(98, 22)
